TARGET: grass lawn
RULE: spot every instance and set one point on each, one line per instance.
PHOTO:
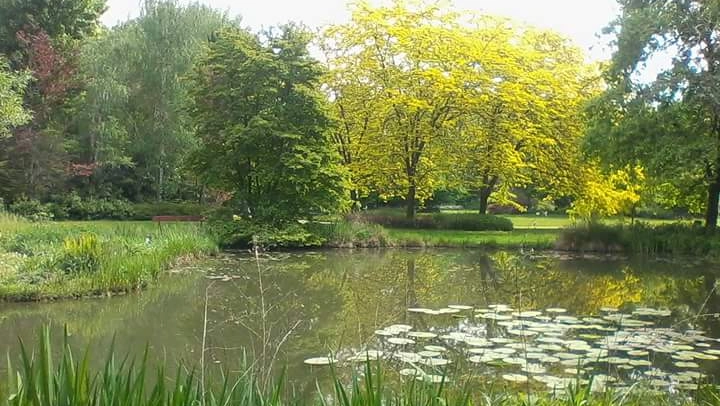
(521, 238)
(40, 261)
(521, 221)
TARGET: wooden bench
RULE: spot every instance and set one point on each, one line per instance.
(173, 219)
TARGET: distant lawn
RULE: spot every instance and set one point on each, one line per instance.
(555, 221)
(521, 238)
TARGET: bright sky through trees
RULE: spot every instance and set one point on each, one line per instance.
(579, 20)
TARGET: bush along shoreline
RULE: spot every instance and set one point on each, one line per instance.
(48, 260)
(639, 239)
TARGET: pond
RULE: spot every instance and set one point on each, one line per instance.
(510, 316)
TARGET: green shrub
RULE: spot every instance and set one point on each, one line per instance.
(146, 211)
(351, 234)
(243, 233)
(31, 209)
(641, 238)
(435, 221)
(72, 207)
(80, 254)
(99, 209)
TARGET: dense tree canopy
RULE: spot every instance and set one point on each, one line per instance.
(12, 87)
(261, 120)
(426, 101)
(132, 128)
(59, 19)
(672, 125)
(410, 102)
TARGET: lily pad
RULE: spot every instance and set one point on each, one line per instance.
(320, 361)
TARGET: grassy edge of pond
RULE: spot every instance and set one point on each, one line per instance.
(48, 261)
(536, 239)
(48, 377)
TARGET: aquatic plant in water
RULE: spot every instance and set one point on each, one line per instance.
(549, 349)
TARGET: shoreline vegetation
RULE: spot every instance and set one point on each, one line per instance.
(53, 260)
(46, 260)
(44, 376)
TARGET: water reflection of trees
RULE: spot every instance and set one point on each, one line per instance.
(342, 297)
(316, 303)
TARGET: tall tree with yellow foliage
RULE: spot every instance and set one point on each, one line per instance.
(428, 98)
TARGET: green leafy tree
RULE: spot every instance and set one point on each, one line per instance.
(60, 19)
(12, 87)
(262, 126)
(40, 37)
(670, 126)
(132, 128)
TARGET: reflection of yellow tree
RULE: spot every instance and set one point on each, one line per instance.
(609, 290)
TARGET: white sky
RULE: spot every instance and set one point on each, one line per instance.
(580, 20)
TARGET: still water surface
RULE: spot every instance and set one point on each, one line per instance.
(293, 306)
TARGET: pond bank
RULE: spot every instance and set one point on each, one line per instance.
(50, 261)
(334, 301)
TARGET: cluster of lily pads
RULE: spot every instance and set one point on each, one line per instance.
(547, 347)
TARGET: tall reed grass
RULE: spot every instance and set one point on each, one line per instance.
(42, 377)
(41, 261)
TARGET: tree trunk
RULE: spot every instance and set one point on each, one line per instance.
(711, 211)
(410, 202)
(484, 196)
(355, 200)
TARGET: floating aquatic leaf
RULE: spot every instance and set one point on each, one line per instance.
(515, 361)
(527, 314)
(399, 327)
(640, 363)
(549, 359)
(567, 355)
(655, 373)
(435, 362)
(320, 361)
(436, 348)
(419, 310)
(534, 369)
(659, 383)
(411, 372)
(386, 333)
(522, 333)
(638, 353)
(494, 316)
(500, 308)
(460, 307)
(421, 334)
(432, 378)
(428, 354)
(534, 355)
(400, 341)
(408, 357)
(505, 350)
(687, 364)
(683, 357)
(478, 342)
(515, 378)
(556, 310)
(687, 386)
(448, 310)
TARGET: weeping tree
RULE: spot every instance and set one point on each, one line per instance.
(132, 124)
